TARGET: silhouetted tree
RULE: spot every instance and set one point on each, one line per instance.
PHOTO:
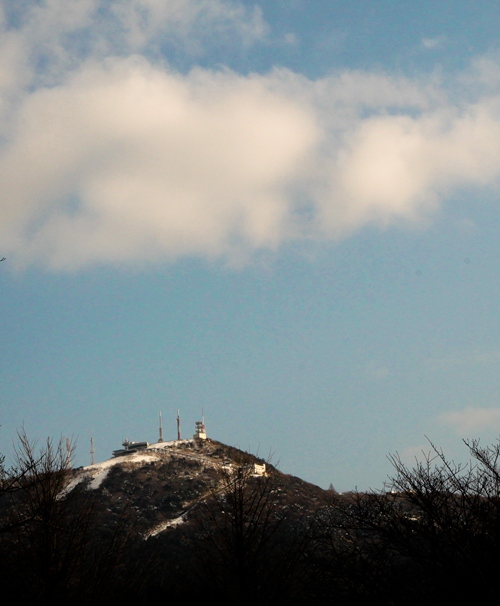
(247, 550)
(53, 546)
(433, 538)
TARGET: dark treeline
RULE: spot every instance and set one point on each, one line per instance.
(433, 538)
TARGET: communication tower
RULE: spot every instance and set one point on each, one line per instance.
(201, 430)
(161, 431)
(92, 449)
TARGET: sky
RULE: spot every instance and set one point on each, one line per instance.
(284, 214)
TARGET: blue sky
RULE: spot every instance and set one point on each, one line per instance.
(284, 213)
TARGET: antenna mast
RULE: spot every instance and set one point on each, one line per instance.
(161, 430)
(178, 425)
(91, 449)
(68, 453)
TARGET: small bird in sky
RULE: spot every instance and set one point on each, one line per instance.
(2, 259)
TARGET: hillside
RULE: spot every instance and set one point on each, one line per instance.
(164, 482)
(189, 517)
(199, 520)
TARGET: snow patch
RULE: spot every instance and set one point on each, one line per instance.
(97, 473)
(171, 444)
(98, 478)
(164, 525)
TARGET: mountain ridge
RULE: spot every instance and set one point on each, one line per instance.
(165, 481)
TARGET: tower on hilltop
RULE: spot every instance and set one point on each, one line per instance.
(160, 439)
(201, 431)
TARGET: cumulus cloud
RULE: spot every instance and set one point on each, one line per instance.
(472, 420)
(128, 161)
(107, 154)
(57, 36)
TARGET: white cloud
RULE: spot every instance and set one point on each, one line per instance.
(187, 22)
(128, 162)
(58, 36)
(472, 420)
(432, 43)
(108, 155)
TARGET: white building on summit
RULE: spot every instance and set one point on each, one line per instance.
(201, 432)
(130, 447)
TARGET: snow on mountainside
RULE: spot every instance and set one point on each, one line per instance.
(97, 472)
(165, 481)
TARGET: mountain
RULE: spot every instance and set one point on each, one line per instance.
(196, 520)
(165, 482)
(191, 519)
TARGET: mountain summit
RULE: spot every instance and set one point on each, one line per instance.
(165, 482)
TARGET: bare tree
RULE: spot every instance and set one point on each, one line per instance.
(433, 537)
(247, 551)
(52, 537)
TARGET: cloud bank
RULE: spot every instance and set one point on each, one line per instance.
(109, 155)
(471, 420)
